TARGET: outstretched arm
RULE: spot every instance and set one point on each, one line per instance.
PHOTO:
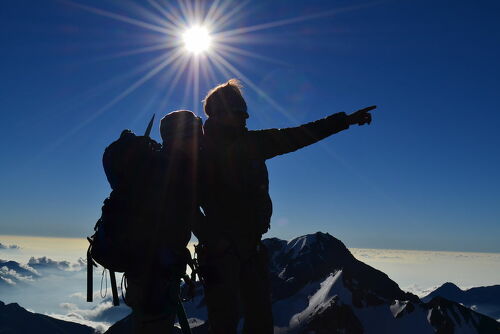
(265, 144)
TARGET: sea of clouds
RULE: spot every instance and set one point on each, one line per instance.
(421, 272)
(56, 286)
(53, 285)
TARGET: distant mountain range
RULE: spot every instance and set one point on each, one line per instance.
(16, 320)
(318, 287)
(485, 300)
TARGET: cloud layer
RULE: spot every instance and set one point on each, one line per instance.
(55, 288)
(2, 246)
(31, 283)
(12, 272)
(45, 263)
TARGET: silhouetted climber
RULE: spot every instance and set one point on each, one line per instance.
(235, 200)
(153, 293)
(147, 220)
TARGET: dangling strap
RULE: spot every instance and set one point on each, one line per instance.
(90, 272)
(181, 316)
(114, 289)
(90, 278)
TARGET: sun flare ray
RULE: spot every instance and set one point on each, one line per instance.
(214, 8)
(196, 70)
(186, 12)
(117, 99)
(200, 43)
(284, 22)
(217, 65)
(147, 49)
(123, 18)
(231, 49)
(147, 14)
(170, 14)
(253, 86)
(180, 69)
(227, 18)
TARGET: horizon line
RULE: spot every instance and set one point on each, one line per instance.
(348, 247)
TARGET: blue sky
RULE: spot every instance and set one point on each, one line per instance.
(424, 175)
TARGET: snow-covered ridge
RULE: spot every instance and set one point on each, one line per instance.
(300, 245)
(319, 287)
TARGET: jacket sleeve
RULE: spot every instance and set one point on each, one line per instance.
(266, 144)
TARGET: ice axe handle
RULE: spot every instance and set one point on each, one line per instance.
(150, 126)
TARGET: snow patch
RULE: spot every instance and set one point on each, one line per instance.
(100, 327)
(397, 307)
(331, 287)
(299, 245)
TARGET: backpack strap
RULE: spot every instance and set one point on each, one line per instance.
(90, 277)
(114, 289)
(90, 272)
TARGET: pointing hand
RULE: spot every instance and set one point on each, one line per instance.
(361, 116)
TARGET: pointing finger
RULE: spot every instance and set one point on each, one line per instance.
(367, 109)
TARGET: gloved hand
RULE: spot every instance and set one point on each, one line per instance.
(361, 116)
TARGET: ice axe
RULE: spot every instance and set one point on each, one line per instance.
(150, 126)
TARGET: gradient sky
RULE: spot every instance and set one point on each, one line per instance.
(424, 175)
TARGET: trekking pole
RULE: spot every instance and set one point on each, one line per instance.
(181, 316)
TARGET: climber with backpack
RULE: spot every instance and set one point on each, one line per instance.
(235, 198)
(146, 221)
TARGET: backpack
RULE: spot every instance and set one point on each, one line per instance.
(124, 234)
(120, 239)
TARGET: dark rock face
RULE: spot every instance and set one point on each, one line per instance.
(314, 256)
(440, 322)
(14, 320)
(484, 300)
(125, 326)
(444, 314)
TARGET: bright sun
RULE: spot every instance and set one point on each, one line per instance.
(196, 39)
